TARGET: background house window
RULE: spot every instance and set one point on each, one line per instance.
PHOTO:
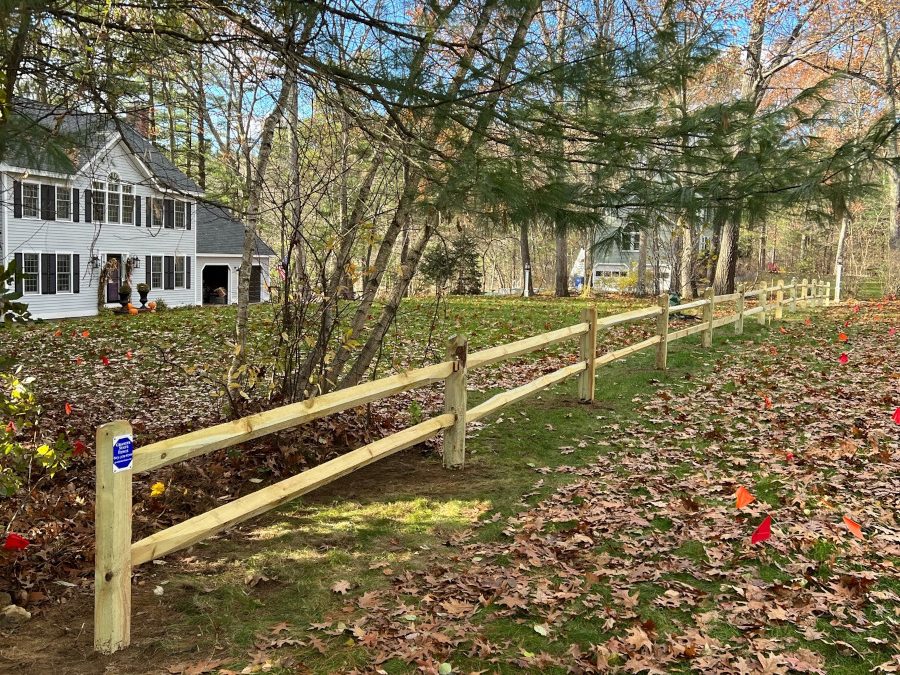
(113, 199)
(157, 212)
(179, 215)
(63, 272)
(31, 200)
(631, 239)
(156, 271)
(63, 203)
(179, 271)
(31, 267)
(98, 201)
(128, 204)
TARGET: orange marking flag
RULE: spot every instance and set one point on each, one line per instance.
(743, 497)
(853, 526)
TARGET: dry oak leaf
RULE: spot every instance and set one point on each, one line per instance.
(341, 587)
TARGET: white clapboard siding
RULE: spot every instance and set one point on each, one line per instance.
(87, 239)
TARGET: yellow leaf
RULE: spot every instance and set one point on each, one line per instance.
(157, 489)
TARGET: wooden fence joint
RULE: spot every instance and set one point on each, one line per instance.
(588, 353)
(455, 403)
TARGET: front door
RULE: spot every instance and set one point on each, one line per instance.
(114, 280)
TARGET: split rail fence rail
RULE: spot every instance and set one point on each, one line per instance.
(116, 554)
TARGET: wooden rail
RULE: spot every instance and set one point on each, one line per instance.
(116, 554)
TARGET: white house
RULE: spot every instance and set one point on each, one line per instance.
(86, 188)
(617, 253)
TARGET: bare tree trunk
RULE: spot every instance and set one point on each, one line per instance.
(562, 262)
(688, 258)
(842, 215)
(642, 265)
(893, 172)
(588, 265)
(726, 265)
(255, 187)
(762, 254)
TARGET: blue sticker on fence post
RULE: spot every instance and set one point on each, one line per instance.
(123, 453)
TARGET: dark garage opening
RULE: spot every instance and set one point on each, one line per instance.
(214, 278)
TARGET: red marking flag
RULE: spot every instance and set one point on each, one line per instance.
(15, 542)
(897, 416)
(763, 532)
(843, 337)
(68, 408)
(843, 359)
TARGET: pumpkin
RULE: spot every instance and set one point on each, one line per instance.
(151, 305)
(132, 310)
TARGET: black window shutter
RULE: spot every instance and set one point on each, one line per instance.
(169, 272)
(148, 271)
(87, 206)
(187, 271)
(187, 215)
(76, 273)
(76, 214)
(19, 270)
(149, 206)
(17, 199)
(137, 210)
(48, 274)
(169, 213)
(48, 202)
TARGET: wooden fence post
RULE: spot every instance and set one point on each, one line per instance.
(815, 293)
(763, 296)
(827, 293)
(708, 312)
(662, 330)
(587, 379)
(455, 402)
(112, 522)
(794, 294)
(803, 293)
(779, 300)
(739, 324)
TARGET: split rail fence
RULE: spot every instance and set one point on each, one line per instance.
(116, 554)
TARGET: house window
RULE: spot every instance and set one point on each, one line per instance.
(631, 239)
(31, 266)
(156, 271)
(31, 200)
(128, 204)
(63, 272)
(157, 212)
(179, 215)
(98, 203)
(179, 271)
(113, 199)
(63, 203)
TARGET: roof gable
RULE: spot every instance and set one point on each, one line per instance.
(51, 138)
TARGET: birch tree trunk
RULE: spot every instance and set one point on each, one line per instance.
(257, 178)
(841, 214)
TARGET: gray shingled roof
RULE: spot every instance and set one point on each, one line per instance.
(51, 138)
(219, 232)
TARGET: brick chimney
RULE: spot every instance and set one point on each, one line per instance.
(141, 120)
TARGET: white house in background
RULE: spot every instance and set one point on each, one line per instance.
(618, 251)
(86, 188)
